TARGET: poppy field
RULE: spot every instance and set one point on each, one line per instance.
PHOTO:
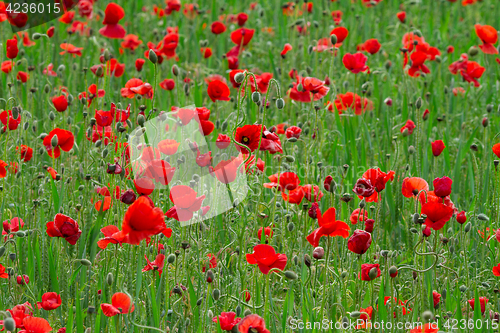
(250, 166)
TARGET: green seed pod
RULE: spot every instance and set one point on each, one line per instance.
(290, 158)
(9, 324)
(85, 262)
(99, 71)
(256, 97)
(291, 226)
(418, 103)
(291, 275)
(105, 153)
(141, 120)
(2, 251)
(70, 98)
(20, 234)
(467, 227)
(199, 301)
(483, 217)
(239, 77)
(107, 55)
(300, 88)
(171, 258)
(216, 294)
(355, 314)
(280, 103)
(462, 288)
(109, 279)
(292, 139)
(35, 36)
(373, 273)
(393, 270)
(175, 70)
(54, 142)
(333, 39)
(52, 116)
(247, 312)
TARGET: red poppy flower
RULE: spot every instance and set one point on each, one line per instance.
(378, 179)
(412, 186)
(489, 36)
(436, 297)
(50, 301)
(242, 36)
(418, 59)
(252, 323)
(12, 49)
(65, 227)
(495, 148)
(358, 215)
(442, 186)
(218, 91)
(364, 188)
(266, 258)
(144, 186)
(206, 52)
(287, 181)
(250, 163)
(6, 66)
(60, 103)
(293, 131)
(114, 68)
(401, 16)
(22, 76)
(366, 316)
(168, 146)
(262, 82)
(137, 86)
(427, 328)
(312, 192)
(35, 325)
(8, 120)
(65, 141)
(353, 101)
(167, 84)
(185, 201)
(112, 235)
(227, 320)
(313, 89)
(12, 226)
(172, 5)
(355, 63)
(437, 147)
(227, 170)
(409, 126)
(156, 265)
(120, 304)
(268, 234)
(3, 275)
(210, 263)
(341, 34)
(473, 72)
(437, 214)
(287, 48)
(496, 270)
(482, 300)
(223, 141)
(359, 242)
(131, 42)
(71, 49)
(160, 171)
(217, 27)
(112, 15)
(143, 220)
(249, 135)
(328, 226)
(371, 46)
(365, 271)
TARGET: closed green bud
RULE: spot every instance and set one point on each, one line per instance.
(152, 56)
(238, 310)
(462, 288)
(413, 231)
(291, 226)
(109, 279)
(9, 324)
(483, 217)
(473, 51)
(291, 275)
(199, 301)
(300, 88)
(280, 103)
(36, 36)
(85, 262)
(333, 39)
(256, 97)
(467, 227)
(355, 314)
(175, 70)
(292, 139)
(105, 153)
(418, 103)
(290, 158)
(171, 258)
(224, 126)
(2, 251)
(54, 142)
(98, 143)
(216, 294)
(239, 77)
(99, 71)
(20, 233)
(427, 316)
(373, 273)
(52, 116)
(141, 120)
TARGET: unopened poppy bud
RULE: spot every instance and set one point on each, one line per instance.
(54, 141)
(417, 33)
(99, 71)
(307, 260)
(109, 279)
(427, 316)
(247, 312)
(413, 230)
(52, 116)
(105, 153)
(362, 204)
(473, 51)
(256, 97)
(489, 108)
(318, 253)
(9, 324)
(425, 115)
(152, 56)
(462, 288)
(107, 55)
(171, 258)
(2, 251)
(238, 310)
(300, 87)
(333, 39)
(292, 139)
(290, 158)
(216, 294)
(280, 103)
(85, 262)
(291, 275)
(485, 122)
(175, 70)
(12, 256)
(355, 314)
(393, 271)
(295, 260)
(373, 273)
(343, 275)
(128, 197)
(20, 233)
(388, 101)
(461, 217)
(141, 120)
(467, 227)
(418, 103)
(210, 276)
(473, 147)
(310, 49)
(405, 133)
(199, 301)
(239, 77)
(483, 217)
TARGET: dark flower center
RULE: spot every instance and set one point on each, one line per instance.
(245, 139)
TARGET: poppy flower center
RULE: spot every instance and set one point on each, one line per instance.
(415, 192)
(252, 330)
(245, 139)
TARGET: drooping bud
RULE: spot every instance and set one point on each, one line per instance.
(152, 56)
(318, 253)
(291, 275)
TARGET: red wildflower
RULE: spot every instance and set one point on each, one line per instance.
(8, 120)
(252, 323)
(143, 220)
(353, 101)
(409, 126)
(35, 325)
(365, 271)
(489, 36)
(12, 49)
(50, 301)
(217, 27)
(401, 16)
(266, 258)
(437, 214)
(65, 141)
(437, 147)
(242, 36)
(313, 89)
(328, 226)
(120, 303)
(156, 265)
(355, 63)
(227, 320)
(71, 49)
(482, 300)
(218, 91)
(186, 203)
(287, 48)
(359, 242)
(412, 186)
(168, 84)
(65, 227)
(112, 15)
